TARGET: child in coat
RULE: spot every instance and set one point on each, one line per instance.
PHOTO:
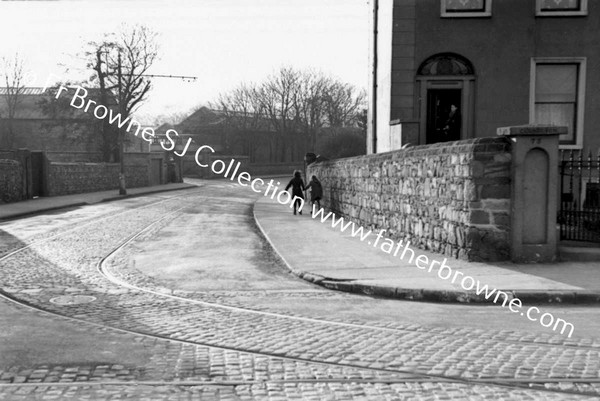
(297, 190)
(316, 191)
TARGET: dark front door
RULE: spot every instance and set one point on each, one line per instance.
(444, 122)
(37, 174)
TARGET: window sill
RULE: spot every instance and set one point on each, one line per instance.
(467, 15)
(555, 14)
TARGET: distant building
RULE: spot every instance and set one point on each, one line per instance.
(36, 127)
(41, 123)
(499, 62)
(226, 134)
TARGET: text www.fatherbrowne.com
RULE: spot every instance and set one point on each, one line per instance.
(444, 272)
(80, 101)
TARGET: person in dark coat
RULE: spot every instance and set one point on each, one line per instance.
(298, 189)
(316, 191)
(452, 126)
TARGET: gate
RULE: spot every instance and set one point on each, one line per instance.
(37, 174)
(156, 171)
(579, 214)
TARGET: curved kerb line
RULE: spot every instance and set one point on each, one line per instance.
(105, 271)
(511, 383)
(501, 382)
(107, 274)
(125, 284)
(295, 273)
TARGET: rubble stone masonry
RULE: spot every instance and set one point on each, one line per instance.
(452, 198)
(11, 181)
(74, 178)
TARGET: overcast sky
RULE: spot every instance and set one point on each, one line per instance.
(222, 42)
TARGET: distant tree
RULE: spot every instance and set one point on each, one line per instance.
(132, 50)
(343, 105)
(245, 119)
(13, 75)
(73, 125)
(362, 121)
(277, 97)
(310, 105)
(298, 106)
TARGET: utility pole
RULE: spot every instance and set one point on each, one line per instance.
(122, 188)
(122, 185)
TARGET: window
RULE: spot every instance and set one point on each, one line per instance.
(560, 8)
(557, 96)
(466, 8)
(446, 64)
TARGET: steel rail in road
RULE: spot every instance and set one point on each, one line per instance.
(410, 375)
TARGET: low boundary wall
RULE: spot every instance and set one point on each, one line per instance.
(11, 181)
(452, 198)
(74, 178)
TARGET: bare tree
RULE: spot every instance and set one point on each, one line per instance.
(14, 76)
(244, 118)
(343, 104)
(128, 55)
(73, 126)
(278, 97)
(309, 104)
(298, 105)
(110, 139)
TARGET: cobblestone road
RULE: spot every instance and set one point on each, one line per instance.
(218, 344)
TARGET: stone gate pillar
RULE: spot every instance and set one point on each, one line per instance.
(534, 191)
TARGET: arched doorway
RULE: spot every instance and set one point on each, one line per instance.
(446, 83)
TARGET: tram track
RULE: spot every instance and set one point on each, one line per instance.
(410, 375)
(94, 220)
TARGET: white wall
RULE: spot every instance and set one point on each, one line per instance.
(384, 80)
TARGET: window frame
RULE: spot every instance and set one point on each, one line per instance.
(487, 12)
(582, 12)
(580, 100)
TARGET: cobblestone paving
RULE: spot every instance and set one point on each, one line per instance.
(196, 338)
(279, 391)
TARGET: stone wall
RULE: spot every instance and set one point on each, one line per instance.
(8, 154)
(11, 181)
(74, 178)
(73, 157)
(452, 198)
(266, 169)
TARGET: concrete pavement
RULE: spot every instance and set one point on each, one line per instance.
(93, 272)
(15, 210)
(323, 255)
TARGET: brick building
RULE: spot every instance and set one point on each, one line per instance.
(499, 62)
(247, 136)
(41, 123)
(37, 127)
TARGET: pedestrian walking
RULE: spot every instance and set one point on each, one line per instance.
(316, 191)
(297, 190)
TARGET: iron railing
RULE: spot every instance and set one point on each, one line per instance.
(579, 212)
